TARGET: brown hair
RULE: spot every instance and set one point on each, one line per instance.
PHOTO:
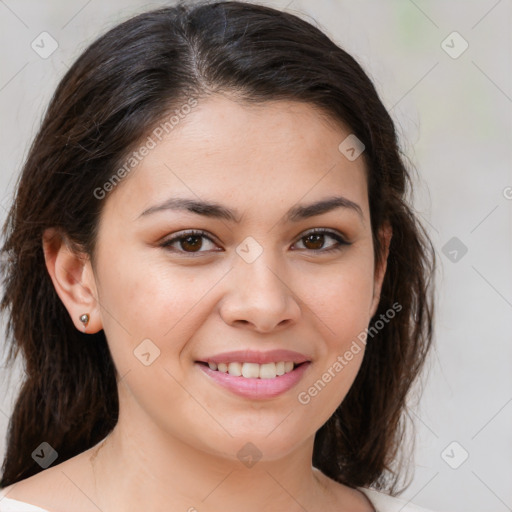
(108, 101)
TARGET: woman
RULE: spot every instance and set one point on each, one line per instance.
(213, 275)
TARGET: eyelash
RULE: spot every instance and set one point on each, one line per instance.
(185, 234)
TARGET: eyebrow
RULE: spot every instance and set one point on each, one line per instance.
(217, 211)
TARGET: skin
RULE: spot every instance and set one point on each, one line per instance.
(175, 445)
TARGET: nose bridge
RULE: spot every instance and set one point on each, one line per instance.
(259, 268)
(261, 294)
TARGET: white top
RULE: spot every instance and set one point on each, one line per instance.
(380, 501)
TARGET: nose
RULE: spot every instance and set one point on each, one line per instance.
(260, 296)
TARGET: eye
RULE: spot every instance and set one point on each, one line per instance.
(188, 241)
(191, 241)
(315, 239)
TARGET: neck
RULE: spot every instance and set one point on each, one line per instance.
(139, 467)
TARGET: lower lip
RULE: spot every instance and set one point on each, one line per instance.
(256, 388)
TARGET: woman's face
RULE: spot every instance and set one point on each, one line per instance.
(255, 281)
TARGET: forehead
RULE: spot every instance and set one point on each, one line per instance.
(266, 155)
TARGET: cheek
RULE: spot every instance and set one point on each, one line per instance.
(340, 304)
(139, 291)
(340, 295)
(342, 314)
(342, 301)
(153, 299)
(340, 356)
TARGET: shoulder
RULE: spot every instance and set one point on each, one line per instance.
(385, 503)
(8, 504)
(48, 490)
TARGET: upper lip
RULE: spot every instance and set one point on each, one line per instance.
(253, 356)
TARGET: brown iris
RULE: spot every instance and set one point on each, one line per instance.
(192, 243)
(317, 240)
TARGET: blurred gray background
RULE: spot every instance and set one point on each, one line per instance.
(444, 71)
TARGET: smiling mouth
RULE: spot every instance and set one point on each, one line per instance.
(254, 370)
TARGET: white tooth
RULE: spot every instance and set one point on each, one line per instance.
(223, 367)
(268, 371)
(213, 366)
(235, 369)
(280, 368)
(288, 366)
(251, 370)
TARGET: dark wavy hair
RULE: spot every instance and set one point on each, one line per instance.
(118, 90)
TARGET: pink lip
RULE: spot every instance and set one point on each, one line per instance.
(256, 388)
(251, 356)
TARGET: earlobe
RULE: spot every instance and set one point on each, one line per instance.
(73, 279)
(385, 234)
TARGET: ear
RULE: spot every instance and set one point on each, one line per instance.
(73, 279)
(385, 235)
